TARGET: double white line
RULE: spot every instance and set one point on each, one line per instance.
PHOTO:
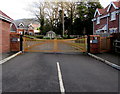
(62, 89)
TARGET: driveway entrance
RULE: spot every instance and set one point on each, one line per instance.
(55, 45)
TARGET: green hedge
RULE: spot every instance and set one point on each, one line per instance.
(66, 37)
(39, 36)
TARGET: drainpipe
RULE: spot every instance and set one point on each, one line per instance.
(107, 24)
(93, 28)
(119, 21)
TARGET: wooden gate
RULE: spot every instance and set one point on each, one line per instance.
(55, 45)
(105, 44)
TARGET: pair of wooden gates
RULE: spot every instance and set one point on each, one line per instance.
(55, 45)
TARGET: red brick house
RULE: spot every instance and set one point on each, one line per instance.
(107, 21)
(25, 28)
(5, 22)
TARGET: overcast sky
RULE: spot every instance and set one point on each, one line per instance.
(17, 9)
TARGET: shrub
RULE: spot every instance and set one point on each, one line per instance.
(46, 38)
(60, 38)
(66, 37)
(39, 36)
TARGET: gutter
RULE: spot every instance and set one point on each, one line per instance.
(5, 18)
(105, 61)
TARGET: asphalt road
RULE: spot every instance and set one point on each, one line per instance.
(38, 72)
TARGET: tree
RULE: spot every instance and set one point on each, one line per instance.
(70, 8)
(92, 6)
(78, 27)
(85, 11)
(40, 13)
(73, 17)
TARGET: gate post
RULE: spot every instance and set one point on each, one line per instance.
(88, 43)
(14, 41)
(21, 42)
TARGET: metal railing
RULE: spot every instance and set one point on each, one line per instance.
(117, 46)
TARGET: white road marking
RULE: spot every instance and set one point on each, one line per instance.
(8, 58)
(62, 89)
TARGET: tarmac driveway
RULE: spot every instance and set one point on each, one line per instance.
(38, 72)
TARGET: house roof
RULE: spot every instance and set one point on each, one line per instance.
(105, 10)
(50, 32)
(26, 22)
(13, 27)
(101, 11)
(36, 25)
(5, 17)
(97, 11)
(116, 5)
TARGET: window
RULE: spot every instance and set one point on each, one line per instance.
(21, 32)
(98, 20)
(97, 31)
(113, 16)
(112, 30)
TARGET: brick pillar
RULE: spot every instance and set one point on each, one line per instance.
(14, 42)
(94, 44)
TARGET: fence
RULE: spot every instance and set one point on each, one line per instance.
(105, 44)
(116, 42)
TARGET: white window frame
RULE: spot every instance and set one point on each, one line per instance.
(113, 16)
(98, 20)
(20, 32)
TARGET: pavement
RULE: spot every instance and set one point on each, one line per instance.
(110, 56)
(5, 55)
(38, 72)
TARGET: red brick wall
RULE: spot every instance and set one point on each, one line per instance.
(20, 30)
(112, 9)
(31, 30)
(102, 22)
(115, 23)
(97, 15)
(95, 47)
(111, 24)
(4, 36)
